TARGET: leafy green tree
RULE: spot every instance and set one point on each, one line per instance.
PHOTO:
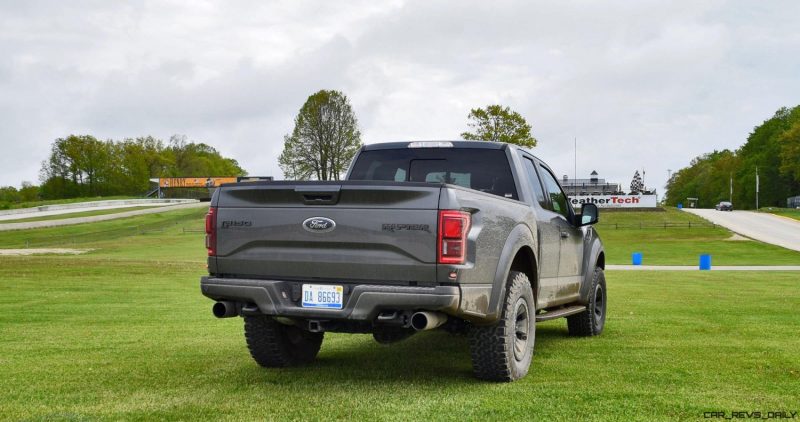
(8, 196)
(499, 124)
(790, 152)
(82, 165)
(763, 151)
(773, 148)
(29, 192)
(324, 140)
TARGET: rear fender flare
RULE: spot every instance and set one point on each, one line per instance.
(519, 237)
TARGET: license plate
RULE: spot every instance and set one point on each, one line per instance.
(322, 296)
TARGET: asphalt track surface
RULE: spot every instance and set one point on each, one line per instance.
(768, 228)
(96, 218)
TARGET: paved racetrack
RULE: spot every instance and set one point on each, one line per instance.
(768, 228)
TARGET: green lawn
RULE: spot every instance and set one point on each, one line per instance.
(140, 236)
(123, 339)
(123, 333)
(786, 212)
(679, 244)
(77, 214)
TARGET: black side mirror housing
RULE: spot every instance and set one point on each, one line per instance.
(589, 215)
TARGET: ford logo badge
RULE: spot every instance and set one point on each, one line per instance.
(319, 224)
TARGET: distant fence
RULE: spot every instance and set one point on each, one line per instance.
(663, 225)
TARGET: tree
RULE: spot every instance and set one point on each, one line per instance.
(29, 192)
(499, 124)
(324, 140)
(637, 186)
(790, 152)
(773, 148)
(82, 165)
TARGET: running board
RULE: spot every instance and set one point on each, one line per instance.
(560, 313)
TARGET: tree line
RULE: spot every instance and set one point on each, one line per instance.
(82, 165)
(772, 149)
(326, 136)
(323, 142)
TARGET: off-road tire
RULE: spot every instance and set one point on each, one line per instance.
(274, 345)
(503, 351)
(391, 335)
(592, 321)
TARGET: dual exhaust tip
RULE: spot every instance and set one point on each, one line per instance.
(426, 320)
(224, 309)
(420, 321)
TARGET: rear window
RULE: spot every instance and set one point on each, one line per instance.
(479, 169)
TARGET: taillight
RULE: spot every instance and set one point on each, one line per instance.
(452, 236)
(211, 231)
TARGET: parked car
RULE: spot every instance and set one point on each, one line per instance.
(477, 237)
(724, 206)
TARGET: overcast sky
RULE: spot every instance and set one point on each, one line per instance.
(641, 85)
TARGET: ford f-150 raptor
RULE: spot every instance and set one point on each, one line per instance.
(474, 236)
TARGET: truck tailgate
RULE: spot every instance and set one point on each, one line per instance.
(328, 231)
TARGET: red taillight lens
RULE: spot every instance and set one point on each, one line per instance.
(211, 231)
(452, 236)
(452, 227)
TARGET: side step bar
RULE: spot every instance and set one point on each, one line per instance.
(560, 313)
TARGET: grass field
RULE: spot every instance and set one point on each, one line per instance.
(680, 244)
(123, 333)
(157, 232)
(99, 338)
(77, 214)
(786, 212)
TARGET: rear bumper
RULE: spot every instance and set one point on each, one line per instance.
(362, 302)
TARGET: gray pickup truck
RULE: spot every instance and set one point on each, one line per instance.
(476, 237)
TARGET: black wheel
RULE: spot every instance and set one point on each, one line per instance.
(273, 344)
(503, 351)
(591, 322)
(389, 335)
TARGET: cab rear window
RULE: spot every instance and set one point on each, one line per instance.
(480, 169)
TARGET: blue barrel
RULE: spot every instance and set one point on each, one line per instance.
(680, 206)
(637, 258)
(705, 262)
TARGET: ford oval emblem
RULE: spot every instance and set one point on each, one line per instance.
(319, 224)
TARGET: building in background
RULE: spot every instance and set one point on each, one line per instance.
(595, 190)
(591, 186)
(196, 187)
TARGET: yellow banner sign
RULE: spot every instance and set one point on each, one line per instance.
(194, 182)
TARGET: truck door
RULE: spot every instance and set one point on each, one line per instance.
(549, 238)
(571, 238)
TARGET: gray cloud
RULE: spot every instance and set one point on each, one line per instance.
(644, 85)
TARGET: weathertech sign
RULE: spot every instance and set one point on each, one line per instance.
(615, 201)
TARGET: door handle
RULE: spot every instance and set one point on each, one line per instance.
(564, 235)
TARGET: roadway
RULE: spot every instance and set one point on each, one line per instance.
(768, 228)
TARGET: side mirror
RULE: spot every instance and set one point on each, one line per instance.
(589, 214)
